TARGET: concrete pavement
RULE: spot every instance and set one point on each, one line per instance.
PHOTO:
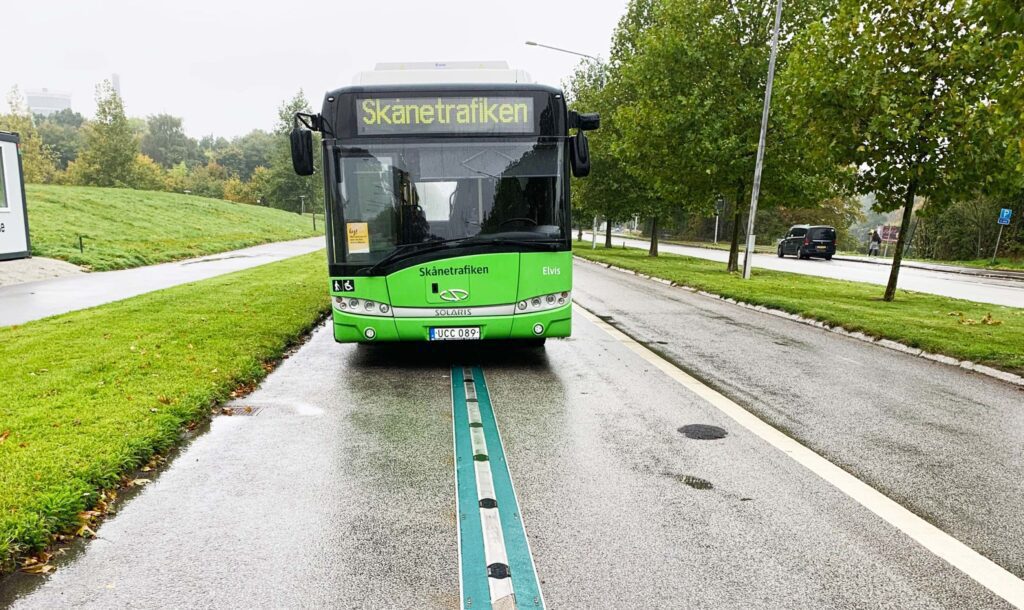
(996, 290)
(340, 490)
(21, 303)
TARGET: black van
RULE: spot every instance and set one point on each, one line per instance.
(806, 241)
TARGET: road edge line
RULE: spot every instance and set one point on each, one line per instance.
(903, 348)
(982, 570)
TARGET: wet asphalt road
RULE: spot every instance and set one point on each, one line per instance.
(339, 490)
(20, 303)
(998, 291)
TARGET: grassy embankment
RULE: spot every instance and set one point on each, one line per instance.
(124, 228)
(88, 396)
(988, 334)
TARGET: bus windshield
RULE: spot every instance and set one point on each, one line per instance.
(393, 194)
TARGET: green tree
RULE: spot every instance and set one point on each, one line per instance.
(166, 142)
(611, 190)
(285, 186)
(244, 154)
(207, 180)
(108, 154)
(691, 121)
(36, 158)
(897, 89)
(61, 132)
(147, 175)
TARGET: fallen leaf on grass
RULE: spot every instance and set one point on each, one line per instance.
(136, 482)
(4, 435)
(990, 321)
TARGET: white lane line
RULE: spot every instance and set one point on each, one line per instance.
(986, 572)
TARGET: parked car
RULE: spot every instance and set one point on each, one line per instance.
(806, 241)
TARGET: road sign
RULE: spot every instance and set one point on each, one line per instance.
(890, 233)
(1004, 216)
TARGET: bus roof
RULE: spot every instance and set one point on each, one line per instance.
(442, 73)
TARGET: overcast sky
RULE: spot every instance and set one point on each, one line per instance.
(226, 65)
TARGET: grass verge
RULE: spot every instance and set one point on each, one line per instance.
(988, 334)
(124, 228)
(88, 396)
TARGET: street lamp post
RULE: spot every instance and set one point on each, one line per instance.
(748, 253)
(600, 65)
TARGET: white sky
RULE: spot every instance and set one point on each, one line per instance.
(225, 65)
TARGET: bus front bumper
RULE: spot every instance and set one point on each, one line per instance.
(350, 328)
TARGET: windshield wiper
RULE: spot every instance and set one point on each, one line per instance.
(518, 241)
(400, 251)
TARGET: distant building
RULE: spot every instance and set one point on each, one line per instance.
(46, 102)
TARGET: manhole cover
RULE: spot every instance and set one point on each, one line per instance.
(703, 432)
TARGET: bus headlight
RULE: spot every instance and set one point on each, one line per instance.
(363, 307)
(543, 303)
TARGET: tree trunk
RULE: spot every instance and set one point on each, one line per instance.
(897, 256)
(607, 232)
(734, 246)
(579, 232)
(654, 237)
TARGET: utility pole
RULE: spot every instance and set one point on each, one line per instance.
(748, 253)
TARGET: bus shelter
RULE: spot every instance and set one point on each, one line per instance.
(13, 210)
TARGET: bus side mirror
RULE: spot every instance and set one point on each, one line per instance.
(302, 151)
(589, 121)
(579, 155)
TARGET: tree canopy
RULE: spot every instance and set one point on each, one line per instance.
(898, 89)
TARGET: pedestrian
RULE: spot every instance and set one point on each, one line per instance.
(875, 243)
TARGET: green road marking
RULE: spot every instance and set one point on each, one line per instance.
(472, 568)
(477, 587)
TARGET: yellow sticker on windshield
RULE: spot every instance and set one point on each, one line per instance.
(358, 238)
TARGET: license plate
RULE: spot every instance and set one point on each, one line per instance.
(822, 247)
(455, 333)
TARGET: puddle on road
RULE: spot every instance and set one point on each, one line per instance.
(217, 258)
(703, 432)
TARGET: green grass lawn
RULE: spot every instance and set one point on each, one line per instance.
(87, 396)
(126, 228)
(936, 324)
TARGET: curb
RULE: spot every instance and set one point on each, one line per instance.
(839, 330)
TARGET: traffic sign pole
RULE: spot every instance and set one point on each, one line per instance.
(996, 251)
(1004, 219)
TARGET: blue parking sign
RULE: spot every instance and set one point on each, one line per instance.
(1004, 216)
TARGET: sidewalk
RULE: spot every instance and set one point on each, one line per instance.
(20, 303)
(1002, 274)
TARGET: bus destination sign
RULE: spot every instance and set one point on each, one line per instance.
(429, 115)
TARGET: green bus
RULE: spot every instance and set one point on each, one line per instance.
(447, 208)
